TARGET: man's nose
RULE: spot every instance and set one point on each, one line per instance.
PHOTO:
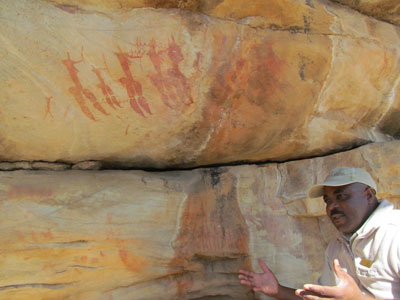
(331, 205)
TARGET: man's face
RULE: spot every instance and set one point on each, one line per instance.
(348, 206)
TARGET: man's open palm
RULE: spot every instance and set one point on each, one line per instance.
(265, 282)
(347, 289)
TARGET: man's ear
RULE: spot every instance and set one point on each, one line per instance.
(371, 195)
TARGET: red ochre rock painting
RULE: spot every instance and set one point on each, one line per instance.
(212, 230)
(78, 91)
(132, 262)
(172, 85)
(48, 111)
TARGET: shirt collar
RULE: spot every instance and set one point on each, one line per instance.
(378, 217)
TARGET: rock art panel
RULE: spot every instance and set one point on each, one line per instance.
(172, 235)
(170, 88)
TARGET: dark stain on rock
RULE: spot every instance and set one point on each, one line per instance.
(301, 70)
(304, 62)
(182, 4)
(193, 5)
(214, 174)
(72, 9)
(390, 124)
(307, 24)
(309, 3)
(213, 239)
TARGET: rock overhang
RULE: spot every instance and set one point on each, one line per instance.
(148, 88)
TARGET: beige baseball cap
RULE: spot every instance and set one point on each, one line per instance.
(342, 176)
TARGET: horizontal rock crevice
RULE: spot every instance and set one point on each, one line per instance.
(109, 165)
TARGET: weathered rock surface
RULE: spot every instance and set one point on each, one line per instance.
(386, 10)
(163, 88)
(173, 235)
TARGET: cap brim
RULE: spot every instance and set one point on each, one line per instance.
(318, 190)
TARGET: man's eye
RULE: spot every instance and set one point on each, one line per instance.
(340, 197)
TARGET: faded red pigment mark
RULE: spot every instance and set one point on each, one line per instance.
(47, 235)
(256, 70)
(131, 261)
(34, 238)
(72, 9)
(94, 260)
(19, 235)
(49, 266)
(79, 92)
(106, 90)
(127, 129)
(15, 192)
(182, 87)
(265, 72)
(197, 62)
(211, 228)
(48, 112)
(133, 88)
(173, 86)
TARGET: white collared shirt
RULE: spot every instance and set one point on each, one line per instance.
(371, 255)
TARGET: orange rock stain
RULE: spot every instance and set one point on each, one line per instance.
(131, 261)
(16, 192)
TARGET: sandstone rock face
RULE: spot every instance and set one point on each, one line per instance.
(386, 10)
(159, 88)
(172, 235)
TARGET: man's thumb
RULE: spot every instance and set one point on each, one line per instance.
(263, 266)
(338, 269)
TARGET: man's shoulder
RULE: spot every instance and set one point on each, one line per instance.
(384, 216)
(391, 216)
(336, 243)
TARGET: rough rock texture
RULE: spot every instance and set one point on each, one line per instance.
(386, 10)
(173, 235)
(163, 88)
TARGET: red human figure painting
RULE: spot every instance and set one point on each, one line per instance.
(79, 92)
(106, 90)
(181, 84)
(48, 112)
(172, 84)
(162, 84)
(133, 87)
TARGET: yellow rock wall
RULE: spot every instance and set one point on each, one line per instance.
(171, 235)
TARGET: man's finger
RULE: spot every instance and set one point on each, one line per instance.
(338, 269)
(246, 282)
(303, 293)
(311, 297)
(324, 291)
(263, 266)
(247, 273)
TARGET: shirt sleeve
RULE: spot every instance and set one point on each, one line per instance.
(394, 251)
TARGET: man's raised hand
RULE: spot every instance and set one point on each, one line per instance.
(347, 288)
(265, 282)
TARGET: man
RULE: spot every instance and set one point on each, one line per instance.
(367, 245)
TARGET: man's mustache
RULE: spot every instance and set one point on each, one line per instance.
(336, 211)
